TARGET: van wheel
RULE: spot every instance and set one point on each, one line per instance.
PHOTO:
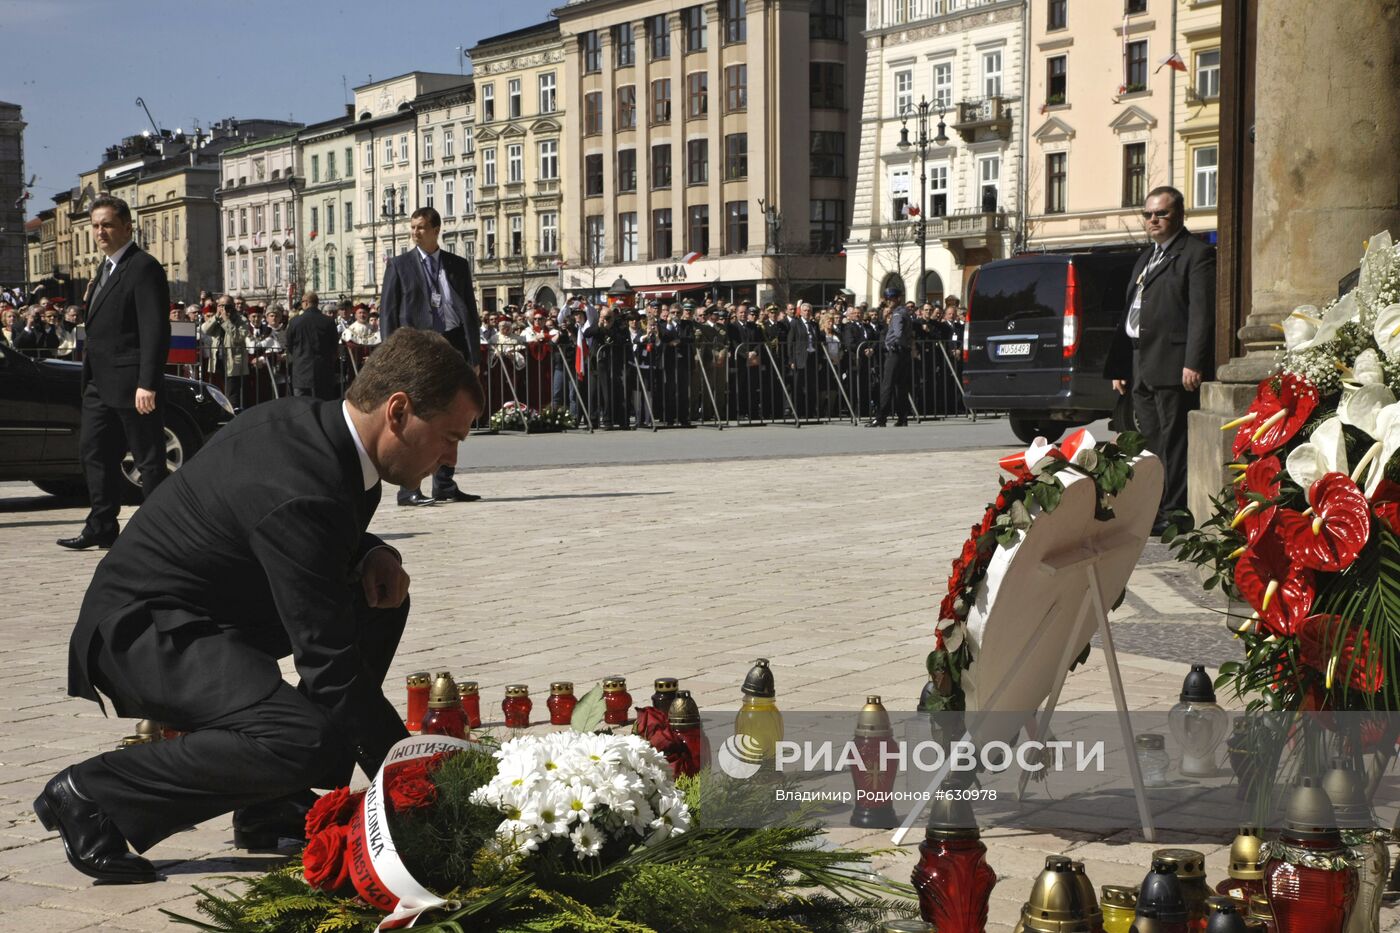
(1028, 429)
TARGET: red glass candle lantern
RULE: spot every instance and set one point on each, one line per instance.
(1310, 878)
(873, 776)
(418, 686)
(617, 702)
(1246, 869)
(953, 880)
(684, 716)
(517, 706)
(561, 702)
(471, 702)
(445, 716)
(665, 688)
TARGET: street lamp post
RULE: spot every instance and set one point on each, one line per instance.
(392, 210)
(923, 111)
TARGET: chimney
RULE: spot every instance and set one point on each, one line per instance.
(350, 111)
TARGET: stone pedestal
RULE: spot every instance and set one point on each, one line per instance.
(1324, 180)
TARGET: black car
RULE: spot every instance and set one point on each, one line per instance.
(41, 407)
(1039, 331)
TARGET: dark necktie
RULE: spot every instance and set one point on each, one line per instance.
(430, 268)
(102, 277)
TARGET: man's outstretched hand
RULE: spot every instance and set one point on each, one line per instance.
(384, 580)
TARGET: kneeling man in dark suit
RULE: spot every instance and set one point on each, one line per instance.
(254, 551)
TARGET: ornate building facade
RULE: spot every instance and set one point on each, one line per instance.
(258, 200)
(329, 249)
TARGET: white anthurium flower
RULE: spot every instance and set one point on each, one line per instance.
(1387, 443)
(1324, 328)
(1367, 369)
(1300, 326)
(1387, 331)
(1360, 407)
(954, 632)
(1377, 261)
(1325, 452)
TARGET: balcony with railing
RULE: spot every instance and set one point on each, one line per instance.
(988, 117)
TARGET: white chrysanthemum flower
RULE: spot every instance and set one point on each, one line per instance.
(581, 801)
(588, 841)
(554, 810)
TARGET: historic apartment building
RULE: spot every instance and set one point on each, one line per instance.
(520, 138)
(953, 68)
(1101, 135)
(1196, 145)
(13, 253)
(715, 143)
(258, 199)
(327, 246)
(386, 170)
(446, 170)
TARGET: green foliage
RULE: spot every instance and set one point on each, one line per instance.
(441, 847)
(589, 711)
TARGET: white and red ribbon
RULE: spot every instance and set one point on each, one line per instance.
(376, 869)
(1022, 464)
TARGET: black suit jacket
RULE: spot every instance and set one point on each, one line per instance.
(128, 330)
(800, 341)
(260, 535)
(406, 301)
(312, 343)
(1177, 325)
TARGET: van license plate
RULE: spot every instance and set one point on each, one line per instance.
(1013, 349)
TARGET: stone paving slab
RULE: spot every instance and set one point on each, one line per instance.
(830, 566)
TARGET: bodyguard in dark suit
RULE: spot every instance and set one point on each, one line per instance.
(312, 344)
(255, 550)
(1170, 324)
(128, 339)
(431, 289)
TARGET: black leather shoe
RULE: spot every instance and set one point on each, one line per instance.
(874, 424)
(1159, 526)
(94, 846)
(86, 540)
(265, 825)
(457, 495)
(418, 499)
(901, 424)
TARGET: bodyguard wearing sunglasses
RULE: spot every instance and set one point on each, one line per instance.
(1170, 324)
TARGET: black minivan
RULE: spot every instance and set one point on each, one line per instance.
(1038, 333)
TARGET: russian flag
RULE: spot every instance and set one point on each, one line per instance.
(690, 257)
(184, 343)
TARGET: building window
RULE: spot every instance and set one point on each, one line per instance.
(549, 159)
(699, 238)
(827, 85)
(515, 163)
(828, 154)
(369, 155)
(349, 170)
(1137, 66)
(330, 272)
(330, 217)
(693, 22)
(449, 143)
(938, 191)
(277, 216)
(1055, 183)
(547, 93)
(243, 221)
(697, 160)
(593, 175)
(661, 100)
(549, 233)
(403, 148)
(899, 193)
(1135, 6)
(626, 170)
(260, 272)
(349, 222)
(349, 271)
(624, 52)
(595, 238)
(428, 189)
(697, 93)
(488, 167)
(469, 194)
(276, 269)
(231, 231)
(659, 36)
(592, 113)
(736, 227)
(592, 52)
(661, 234)
(1208, 75)
(827, 20)
(989, 171)
(736, 23)
(661, 165)
(315, 169)
(627, 237)
(488, 230)
(403, 199)
(428, 146)
(991, 73)
(369, 205)
(468, 142)
(369, 265)
(513, 98)
(1134, 174)
(736, 156)
(1056, 79)
(517, 234)
(1057, 14)
(449, 196)
(488, 103)
(1207, 164)
(736, 88)
(943, 84)
(828, 225)
(903, 92)
(627, 107)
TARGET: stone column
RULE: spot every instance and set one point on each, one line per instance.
(1325, 179)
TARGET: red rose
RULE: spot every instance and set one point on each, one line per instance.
(412, 794)
(334, 809)
(649, 720)
(324, 864)
(969, 552)
(414, 770)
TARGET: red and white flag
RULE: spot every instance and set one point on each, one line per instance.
(1172, 61)
(691, 256)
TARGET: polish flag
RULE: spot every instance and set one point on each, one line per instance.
(691, 256)
(1172, 61)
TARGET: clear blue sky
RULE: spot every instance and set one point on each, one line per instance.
(210, 59)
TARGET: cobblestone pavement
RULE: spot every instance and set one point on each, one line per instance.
(829, 566)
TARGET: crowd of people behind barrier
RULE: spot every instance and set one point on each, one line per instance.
(660, 364)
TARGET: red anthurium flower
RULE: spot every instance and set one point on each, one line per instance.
(1261, 478)
(1282, 406)
(1385, 502)
(1337, 530)
(1322, 647)
(1280, 590)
